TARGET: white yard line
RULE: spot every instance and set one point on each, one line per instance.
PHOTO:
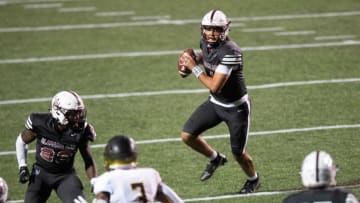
(256, 133)
(151, 17)
(33, 1)
(115, 13)
(76, 9)
(335, 37)
(266, 193)
(171, 52)
(42, 6)
(200, 199)
(263, 29)
(297, 16)
(194, 91)
(173, 22)
(303, 32)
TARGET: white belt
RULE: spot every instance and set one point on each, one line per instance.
(231, 104)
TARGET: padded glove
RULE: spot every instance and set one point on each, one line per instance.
(24, 174)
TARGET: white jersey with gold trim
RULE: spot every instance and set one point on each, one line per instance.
(129, 185)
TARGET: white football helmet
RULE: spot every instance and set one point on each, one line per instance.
(67, 108)
(216, 18)
(318, 169)
(3, 190)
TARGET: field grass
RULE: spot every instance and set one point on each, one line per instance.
(304, 90)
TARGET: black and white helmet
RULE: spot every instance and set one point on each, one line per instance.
(3, 190)
(216, 18)
(120, 150)
(318, 169)
(67, 108)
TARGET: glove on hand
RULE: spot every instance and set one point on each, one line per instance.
(24, 174)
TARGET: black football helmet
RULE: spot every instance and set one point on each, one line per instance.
(120, 150)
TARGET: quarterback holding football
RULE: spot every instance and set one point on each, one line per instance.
(222, 74)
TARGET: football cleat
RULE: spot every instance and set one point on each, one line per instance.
(220, 160)
(250, 186)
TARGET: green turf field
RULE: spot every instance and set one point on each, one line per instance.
(301, 67)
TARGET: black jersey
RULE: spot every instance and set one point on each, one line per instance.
(55, 151)
(331, 195)
(226, 53)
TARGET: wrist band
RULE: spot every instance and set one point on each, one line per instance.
(197, 71)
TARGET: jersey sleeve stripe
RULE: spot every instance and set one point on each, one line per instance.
(232, 59)
(28, 124)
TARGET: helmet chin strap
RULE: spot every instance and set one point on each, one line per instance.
(123, 166)
(59, 127)
(211, 45)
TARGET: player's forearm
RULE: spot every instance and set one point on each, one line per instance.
(91, 172)
(170, 194)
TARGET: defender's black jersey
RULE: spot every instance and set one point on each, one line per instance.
(227, 53)
(318, 195)
(55, 151)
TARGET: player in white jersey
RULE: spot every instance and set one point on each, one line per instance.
(124, 182)
(318, 173)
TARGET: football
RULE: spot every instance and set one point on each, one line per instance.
(183, 70)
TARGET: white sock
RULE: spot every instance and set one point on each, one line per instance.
(253, 178)
(213, 155)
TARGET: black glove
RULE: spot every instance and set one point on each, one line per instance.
(24, 174)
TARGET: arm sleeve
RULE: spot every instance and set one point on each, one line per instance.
(21, 151)
(170, 193)
(224, 69)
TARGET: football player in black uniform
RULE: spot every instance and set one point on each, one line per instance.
(59, 134)
(318, 173)
(228, 101)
